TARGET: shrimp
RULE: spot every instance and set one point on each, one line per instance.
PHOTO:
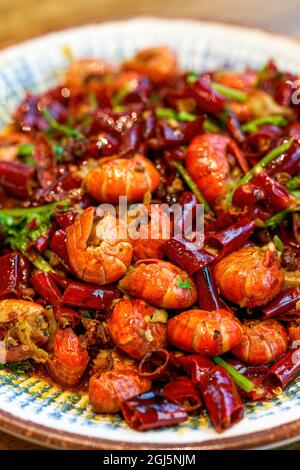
(28, 326)
(82, 71)
(263, 342)
(294, 331)
(69, 360)
(158, 63)
(147, 241)
(260, 104)
(115, 378)
(244, 81)
(115, 177)
(99, 251)
(208, 165)
(203, 332)
(160, 283)
(137, 327)
(251, 276)
(10, 144)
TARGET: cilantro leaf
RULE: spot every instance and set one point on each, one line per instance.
(17, 367)
(184, 284)
(23, 226)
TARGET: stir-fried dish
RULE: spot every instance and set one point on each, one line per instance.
(155, 326)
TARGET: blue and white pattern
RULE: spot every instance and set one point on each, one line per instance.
(39, 64)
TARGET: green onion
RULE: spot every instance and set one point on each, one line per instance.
(259, 167)
(192, 185)
(192, 78)
(38, 261)
(278, 243)
(277, 218)
(294, 183)
(231, 93)
(169, 113)
(210, 126)
(24, 211)
(184, 116)
(165, 113)
(239, 379)
(25, 150)
(56, 126)
(253, 126)
(92, 99)
(295, 193)
(154, 98)
(120, 96)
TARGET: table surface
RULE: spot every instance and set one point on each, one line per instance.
(22, 20)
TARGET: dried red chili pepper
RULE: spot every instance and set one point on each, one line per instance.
(185, 255)
(286, 300)
(150, 411)
(231, 238)
(86, 295)
(182, 392)
(45, 286)
(16, 178)
(222, 400)
(284, 371)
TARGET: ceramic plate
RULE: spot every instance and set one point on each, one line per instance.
(40, 412)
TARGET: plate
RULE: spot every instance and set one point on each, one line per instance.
(46, 414)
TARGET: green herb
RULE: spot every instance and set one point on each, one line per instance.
(192, 185)
(210, 126)
(87, 314)
(25, 152)
(169, 113)
(277, 218)
(92, 99)
(184, 284)
(119, 97)
(154, 98)
(231, 93)
(184, 116)
(296, 194)
(253, 126)
(260, 166)
(239, 379)
(58, 151)
(38, 261)
(17, 367)
(23, 226)
(294, 183)
(192, 78)
(165, 113)
(278, 243)
(56, 126)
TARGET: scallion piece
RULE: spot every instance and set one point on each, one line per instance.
(192, 185)
(56, 126)
(294, 183)
(184, 116)
(239, 379)
(165, 113)
(253, 126)
(120, 96)
(38, 262)
(231, 93)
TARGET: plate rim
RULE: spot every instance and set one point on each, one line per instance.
(54, 438)
(59, 439)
